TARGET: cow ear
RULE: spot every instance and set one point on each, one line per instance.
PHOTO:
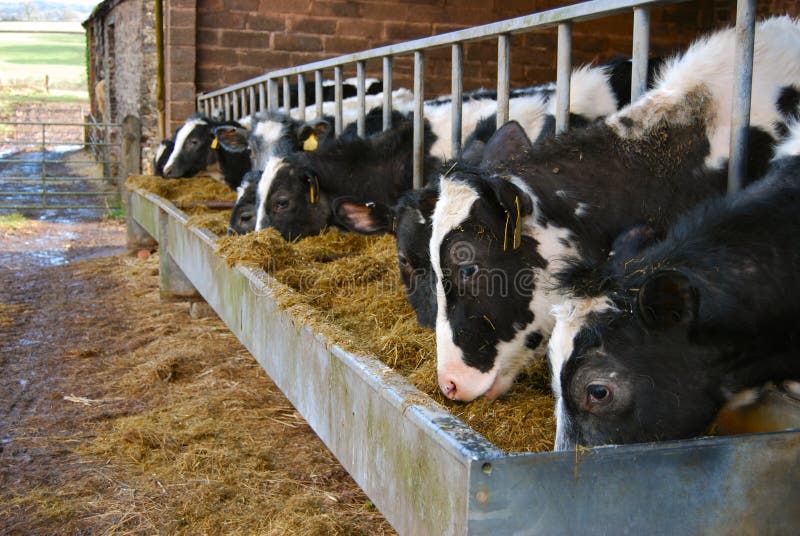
(364, 218)
(232, 138)
(509, 142)
(516, 204)
(312, 134)
(666, 300)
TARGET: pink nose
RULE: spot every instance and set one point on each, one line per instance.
(448, 388)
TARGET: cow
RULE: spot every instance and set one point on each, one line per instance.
(295, 191)
(198, 147)
(243, 214)
(499, 235)
(652, 346)
(410, 218)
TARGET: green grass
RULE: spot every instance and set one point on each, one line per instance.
(26, 58)
(12, 221)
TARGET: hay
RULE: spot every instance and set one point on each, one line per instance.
(346, 287)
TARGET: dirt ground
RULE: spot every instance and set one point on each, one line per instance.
(123, 414)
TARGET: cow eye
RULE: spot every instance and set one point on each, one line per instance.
(281, 204)
(598, 394)
(403, 260)
(466, 271)
(246, 216)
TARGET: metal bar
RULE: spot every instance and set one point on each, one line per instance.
(226, 109)
(361, 125)
(419, 118)
(44, 170)
(301, 97)
(337, 76)
(742, 89)
(39, 123)
(262, 97)
(235, 106)
(287, 96)
(576, 13)
(272, 94)
(503, 77)
(563, 73)
(318, 93)
(252, 96)
(641, 49)
(387, 92)
(457, 90)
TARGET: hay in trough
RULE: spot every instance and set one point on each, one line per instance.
(347, 287)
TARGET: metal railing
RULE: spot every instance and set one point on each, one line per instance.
(35, 173)
(261, 93)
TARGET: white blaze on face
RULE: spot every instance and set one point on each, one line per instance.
(274, 164)
(452, 209)
(180, 139)
(160, 151)
(570, 317)
(267, 133)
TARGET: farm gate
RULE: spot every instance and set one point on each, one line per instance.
(50, 166)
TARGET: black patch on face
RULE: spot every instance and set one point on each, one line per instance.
(533, 340)
(295, 206)
(243, 215)
(789, 102)
(195, 154)
(413, 251)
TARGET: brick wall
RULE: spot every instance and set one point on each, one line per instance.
(240, 39)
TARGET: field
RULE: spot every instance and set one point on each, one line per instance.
(27, 58)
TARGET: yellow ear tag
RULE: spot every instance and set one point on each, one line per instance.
(505, 233)
(311, 143)
(214, 143)
(312, 191)
(518, 228)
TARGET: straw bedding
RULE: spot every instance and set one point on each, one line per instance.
(347, 287)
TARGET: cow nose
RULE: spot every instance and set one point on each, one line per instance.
(448, 387)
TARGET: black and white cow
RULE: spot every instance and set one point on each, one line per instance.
(652, 346)
(410, 218)
(163, 153)
(499, 236)
(243, 214)
(296, 191)
(199, 145)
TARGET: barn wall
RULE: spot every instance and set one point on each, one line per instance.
(239, 39)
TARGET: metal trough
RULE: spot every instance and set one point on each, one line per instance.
(429, 473)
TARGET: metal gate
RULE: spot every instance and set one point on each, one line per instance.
(60, 166)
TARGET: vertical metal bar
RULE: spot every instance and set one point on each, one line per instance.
(419, 119)
(220, 107)
(227, 107)
(387, 92)
(272, 94)
(198, 104)
(242, 104)
(251, 94)
(287, 96)
(318, 93)
(301, 96)
(563, 72)
(742, 89)
(361, 125)
(641, 49)
(235, 103)
(503, 77)
(44, 173)
(337, 77)
(457, 90)
(206, 107)
(262, 97)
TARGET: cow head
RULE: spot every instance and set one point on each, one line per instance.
(289, 198)
(629, 370)
(162, 155)
(192, 152)
(243, 215)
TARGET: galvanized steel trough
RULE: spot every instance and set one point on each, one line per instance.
(429, 473)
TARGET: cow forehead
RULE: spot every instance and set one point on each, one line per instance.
(452, 209)
(570, 316)
(273, 166)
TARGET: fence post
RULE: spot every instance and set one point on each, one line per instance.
(131, 157)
